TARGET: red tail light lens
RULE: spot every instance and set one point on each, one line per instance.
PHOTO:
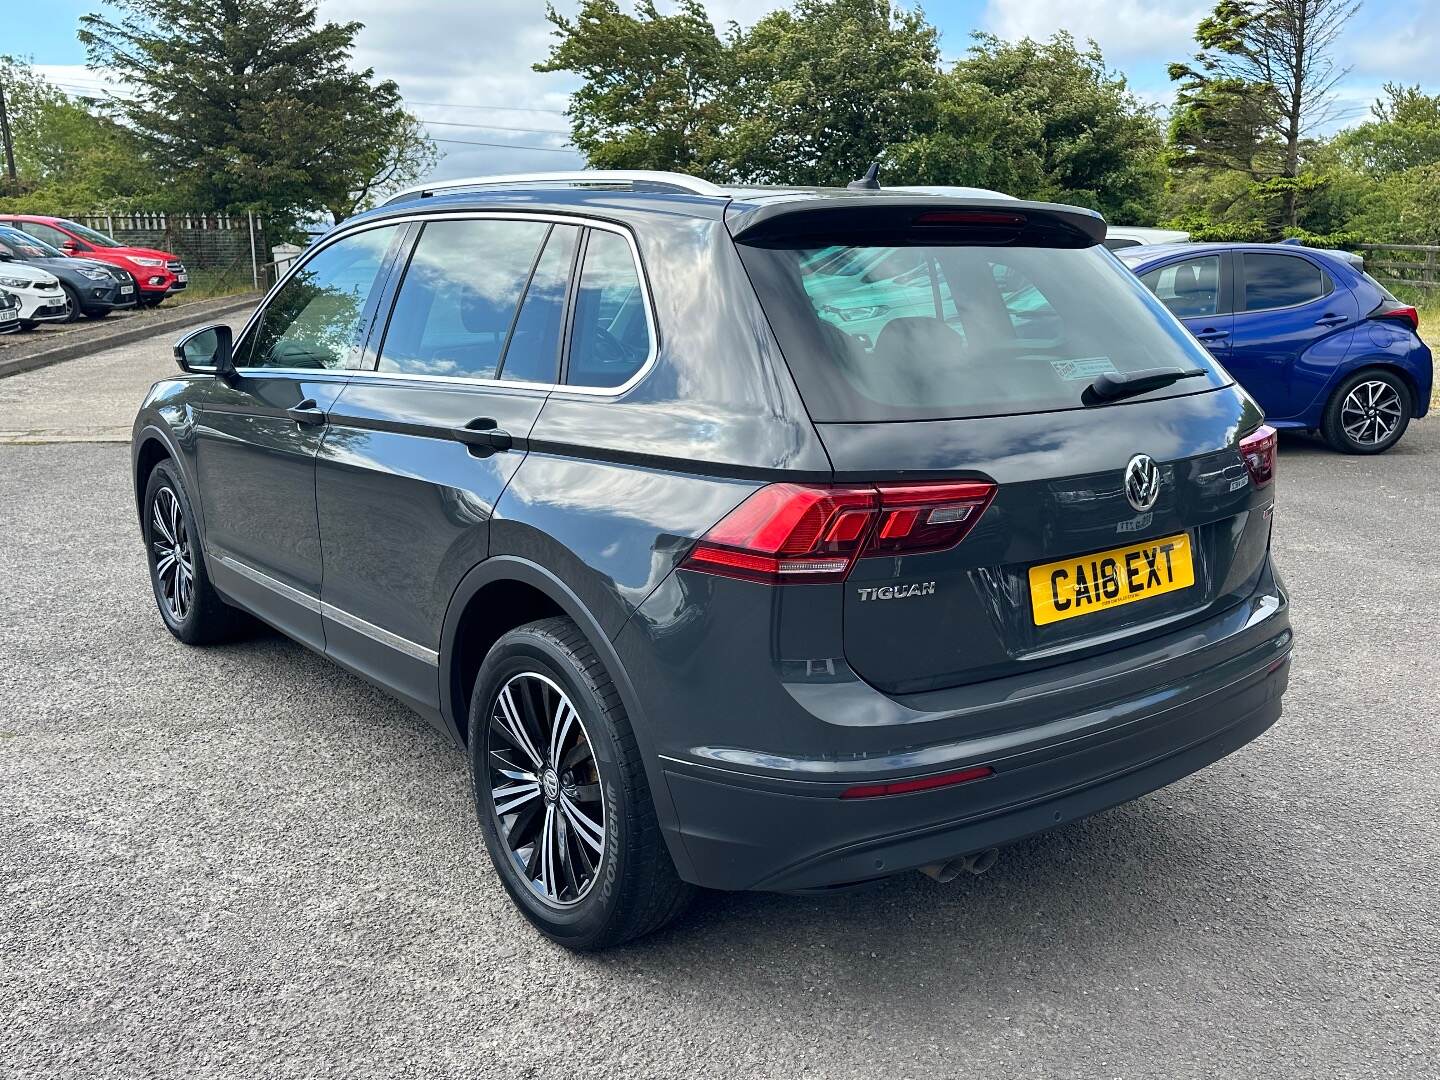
(1397, 312)
(1258, 449)
(924, 783)
(793, 533)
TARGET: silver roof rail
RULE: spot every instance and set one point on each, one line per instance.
(670, 181)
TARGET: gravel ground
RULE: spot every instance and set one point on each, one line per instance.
(241, 862)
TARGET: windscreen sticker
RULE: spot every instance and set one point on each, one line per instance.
(1084, 368)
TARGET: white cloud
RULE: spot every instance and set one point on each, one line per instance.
(1123, 28)
(1405, 53)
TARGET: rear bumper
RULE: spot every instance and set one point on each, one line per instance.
(782, 832)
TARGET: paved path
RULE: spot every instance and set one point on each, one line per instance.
(242, 862)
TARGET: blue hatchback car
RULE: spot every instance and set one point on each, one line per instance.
(1318, 342)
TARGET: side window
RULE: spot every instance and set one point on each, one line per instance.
(533, 353)
(1117, 243)
(1030, 312)
(459, 297)
(610, 336)
(1190, 289)
(316, 319)
(52, 236)
(1277, 281)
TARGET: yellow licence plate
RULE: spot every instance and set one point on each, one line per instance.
(1073, 587)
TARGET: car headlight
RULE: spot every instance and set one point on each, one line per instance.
(16, 282)
(97, 275)
(148, 262)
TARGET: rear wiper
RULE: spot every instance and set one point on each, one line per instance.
(1113, 385)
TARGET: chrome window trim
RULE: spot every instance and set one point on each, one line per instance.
(330, 611)
(440, 214)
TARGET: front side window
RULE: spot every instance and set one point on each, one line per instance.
(22, 246)
(99, 239)
(610, 337)
(460, 296)
(316, 320)
(52, 236)
(1279, 281)
(1190, 289)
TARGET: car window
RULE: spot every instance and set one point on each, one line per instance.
(1117, 243)
(610, 338)
(52, 236)
(316, 319)
(1190, 289)
(22, 246)
(1277, 281)
(533, 351)
(919, 330)
(459, 297)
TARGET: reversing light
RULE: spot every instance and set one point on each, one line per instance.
(1259, 451)
(923, 783)
(795, 533)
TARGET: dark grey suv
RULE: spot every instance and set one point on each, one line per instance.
(746, 538)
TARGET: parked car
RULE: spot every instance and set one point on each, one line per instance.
(40, 295)
(91, 288)
(1319, 343)
(157, 274)
(9, 312)
(713, 591)
(1118, 237)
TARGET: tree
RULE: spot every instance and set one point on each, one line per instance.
(1403, 133)
(649, 84)
(1263, 80)
(817, 92)
(1049, 121)
(252, 104)
(67, 154)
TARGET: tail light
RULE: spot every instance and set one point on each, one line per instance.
(794, 533)
(1258, 450)
(1393, 310)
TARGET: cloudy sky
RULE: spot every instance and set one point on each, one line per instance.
(464, 65)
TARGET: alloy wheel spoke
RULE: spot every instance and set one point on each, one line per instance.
(567, 865)
(159, 521)
(590, 831)
(515, 728)
(512, 796)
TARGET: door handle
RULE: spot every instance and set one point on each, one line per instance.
(482, 432)
(1212, 335)
(307, 412)
(1332, 320)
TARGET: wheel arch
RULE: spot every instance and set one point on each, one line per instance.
(527, 591)
(150, 450)
(1383, 363)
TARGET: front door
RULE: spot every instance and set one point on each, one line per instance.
(257, 435)
(420, 449)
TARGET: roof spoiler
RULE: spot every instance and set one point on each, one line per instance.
(886, 214)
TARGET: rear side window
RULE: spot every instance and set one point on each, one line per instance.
(924, 331)
(460, 296)
(1190, 289)
(533, 352)
(610, 339)
(1278, 281)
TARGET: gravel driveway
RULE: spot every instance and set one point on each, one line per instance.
(242, 862)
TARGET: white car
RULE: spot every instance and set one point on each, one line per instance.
(1125, 236)
(40, 295)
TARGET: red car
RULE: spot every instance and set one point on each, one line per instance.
(157, 273)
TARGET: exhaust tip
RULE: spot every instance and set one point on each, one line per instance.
(982, 861)
(948, 871)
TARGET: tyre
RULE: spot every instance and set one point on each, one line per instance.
(149, 300)
(189, 605)
(96, 312)
(1368, 413)
(72, 304)
(561, 793)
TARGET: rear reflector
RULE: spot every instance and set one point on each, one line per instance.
(924, 783)
(793, 533)
(1259, 449)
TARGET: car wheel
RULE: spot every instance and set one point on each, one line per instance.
(72, 305)
(561, 793)
(96, 312)
(1368, 413)
(189, 605)
(28, 324)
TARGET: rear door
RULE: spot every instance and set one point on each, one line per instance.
(981, 369)
(1198, 291)
(421, 446)
(256, 437)
(1288, 306)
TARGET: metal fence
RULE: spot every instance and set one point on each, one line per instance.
(1414, 265)
(229, 245)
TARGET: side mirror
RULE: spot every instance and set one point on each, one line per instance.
(71, 246)
(207, 351)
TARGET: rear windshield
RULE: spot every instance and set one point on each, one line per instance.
(925, 332)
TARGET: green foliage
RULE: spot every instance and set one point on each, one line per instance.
(1403, 132)
(66, 154)
(252, 104)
